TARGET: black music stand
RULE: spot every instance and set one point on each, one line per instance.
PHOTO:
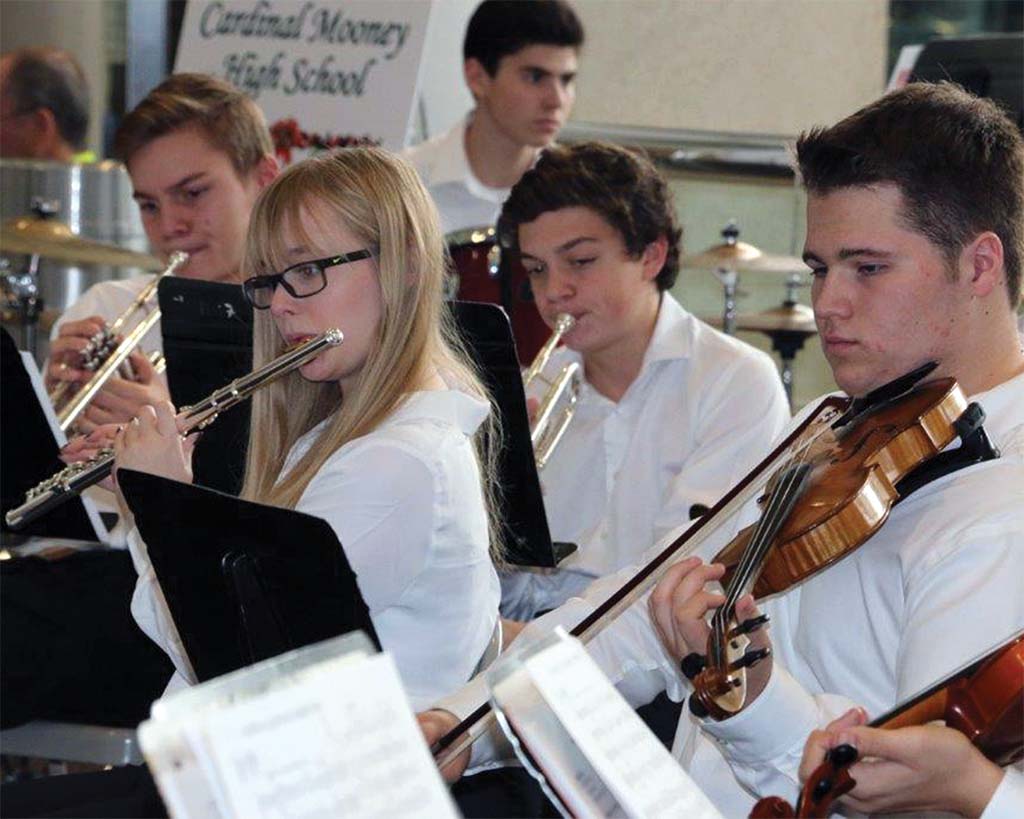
(29, 454)
(207, 331)
(243, 581)
(488, 335)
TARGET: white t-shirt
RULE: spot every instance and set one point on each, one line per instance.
(462, 200)
(628, 472)
(941, 582)
(406, 504)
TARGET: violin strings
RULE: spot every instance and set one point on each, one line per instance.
(762, 534)
(779, 506)
(759, 544)
(798, 450)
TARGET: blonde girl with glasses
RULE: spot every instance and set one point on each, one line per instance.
(379, 436)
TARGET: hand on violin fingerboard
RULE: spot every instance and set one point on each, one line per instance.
(679, 606)
(920, 768)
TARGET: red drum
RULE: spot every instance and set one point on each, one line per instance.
(482, 272)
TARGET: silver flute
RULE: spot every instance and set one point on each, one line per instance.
(75, 478)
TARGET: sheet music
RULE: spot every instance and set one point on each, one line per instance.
(336, 745)
(646, 780)
(323, 730)
(180, 777)
(550, 755)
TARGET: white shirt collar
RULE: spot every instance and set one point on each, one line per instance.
(668, 342)
(452, 162)
(453, 165)
(1002, 396)
(671, 339)
(451, 406)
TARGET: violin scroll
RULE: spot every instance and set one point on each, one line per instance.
(720, 689)
(829, 781)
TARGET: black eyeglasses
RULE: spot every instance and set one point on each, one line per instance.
(301, 280)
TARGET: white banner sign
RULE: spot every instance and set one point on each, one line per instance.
(324, 73)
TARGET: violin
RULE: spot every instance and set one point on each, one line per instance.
(867, 444)
(984, 700)
(818, 508)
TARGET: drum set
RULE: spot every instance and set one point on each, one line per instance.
(788, 326)
(482, 272)
(38, 237)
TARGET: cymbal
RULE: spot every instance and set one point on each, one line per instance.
(788, 318)
(727, 254)
(55, 240)
(744, 258)
(770, 263)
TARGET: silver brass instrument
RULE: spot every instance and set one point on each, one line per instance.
(558, 405)
(103, 357)
(74, 479)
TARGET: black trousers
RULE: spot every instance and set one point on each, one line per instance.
(71, 650)
(661, 715)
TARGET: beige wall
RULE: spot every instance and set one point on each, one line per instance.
(741, 66)
(754, 66)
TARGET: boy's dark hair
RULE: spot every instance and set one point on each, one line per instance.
(502, 27)
(622, 187)
(227, 117)
(957, 159)
(49, 78)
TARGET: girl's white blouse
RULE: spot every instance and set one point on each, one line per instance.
(406, 504)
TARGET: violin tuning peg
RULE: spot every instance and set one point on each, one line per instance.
(750, 659)
(821, 789)
(843, 755)
(692, 664)
(697, 708)
(750, 625)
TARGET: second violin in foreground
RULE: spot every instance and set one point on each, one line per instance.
(984, 701)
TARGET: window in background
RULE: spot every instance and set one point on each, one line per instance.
(917, 21)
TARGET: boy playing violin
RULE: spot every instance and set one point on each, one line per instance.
(915, 236)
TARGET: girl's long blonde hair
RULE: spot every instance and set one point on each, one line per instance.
(380, 198)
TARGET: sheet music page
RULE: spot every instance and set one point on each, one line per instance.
(547, 751)
(181, 779)
(646, 780)
(341, 742)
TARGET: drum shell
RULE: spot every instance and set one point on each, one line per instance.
(470, 253)
(94, 200)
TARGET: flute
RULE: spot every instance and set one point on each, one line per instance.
(71, 481)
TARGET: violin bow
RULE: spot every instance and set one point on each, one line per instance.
(463, 735)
